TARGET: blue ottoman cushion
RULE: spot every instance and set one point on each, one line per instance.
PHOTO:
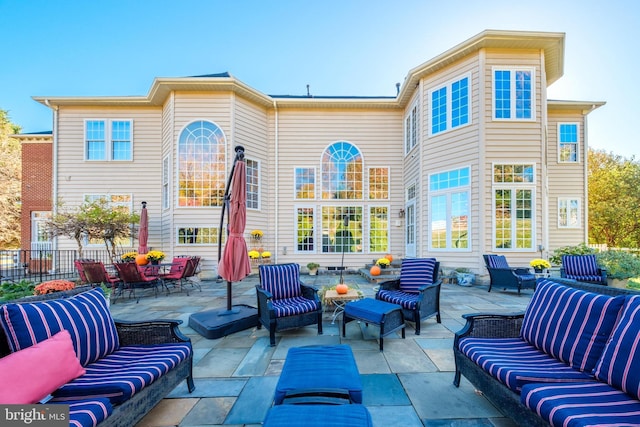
(369, 309)
(319, 367)
(318, 416)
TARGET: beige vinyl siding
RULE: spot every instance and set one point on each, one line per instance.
(566, 180)
(303, 135)
(168, 144)
(80, 177)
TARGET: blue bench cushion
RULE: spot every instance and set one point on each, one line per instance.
(319, 367)
(619, 365)
(293, 306)
(498, 261)
(125, 372)
(369, 309)
(88, 413)
(86, 317)
(318, 416)
(282, 280)
(515, 362)
(415, 273)
(405, 299)
(570, 324)
(581, 267)
(581, 404)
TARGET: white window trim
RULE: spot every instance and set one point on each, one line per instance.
(413, 116)
(166, 181)
(448, 84)
(513, 94)
(577, 143)
(315, 209)
(568, 200)
(315, 183)
(108, 140)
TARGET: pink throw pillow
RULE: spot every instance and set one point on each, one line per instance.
(39, 370)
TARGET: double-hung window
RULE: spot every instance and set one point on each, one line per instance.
(568, 142)
(108, 140)
(411, 130)
(513, 206)
(513, 96)
(450, 195)
(450, 106)
(305, 183)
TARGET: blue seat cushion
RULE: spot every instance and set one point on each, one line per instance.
(86, 317)
(125, 372)
(88, 413)
(324, 367)
(570, 324)
(619, 365)
(354, 415)
(292, 306)
(515, 362)
(369, 309)
(405, 299)
(281, 280)
(415, 273)
(581, 404)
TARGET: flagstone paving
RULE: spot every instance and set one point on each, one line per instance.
(409, 384)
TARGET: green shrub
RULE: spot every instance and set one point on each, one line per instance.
(619, 264)
(581, 249)
(12, 290)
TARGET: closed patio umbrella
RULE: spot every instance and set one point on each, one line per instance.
(234, 265)
(143, 232)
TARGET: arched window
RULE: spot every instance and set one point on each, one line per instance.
(342, 171)
(201, 165)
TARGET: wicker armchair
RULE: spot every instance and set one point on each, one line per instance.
(284, 302)
(503, 276)
(417, 290)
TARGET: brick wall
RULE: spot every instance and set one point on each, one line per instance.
(37, 178)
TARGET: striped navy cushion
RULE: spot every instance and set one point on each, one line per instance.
(415, 273)
(619, 365)
(291, 306)
(498, 261)
(515, 362)
(570, 324)
(125, 372)
(86, 317)
(281, 280)
(88, 413)
(405, 299)
(581, 405)
(580, 266)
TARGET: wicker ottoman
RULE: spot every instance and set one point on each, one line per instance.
(354, 415)
(387, 316)
(319, 374)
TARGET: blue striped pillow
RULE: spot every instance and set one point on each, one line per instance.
(570, 324)
(416, 272)
(86, 317)
(619, 365)
(281, 280)
(580, 265)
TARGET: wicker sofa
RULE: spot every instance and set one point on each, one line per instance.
(569, 360)
(124, 375)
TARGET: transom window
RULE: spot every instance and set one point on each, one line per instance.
(450, 106)
(568, 142)
(378, 183)
(108, 140)
(568, 213)
(514, 203)
(450, 199)
(513, 94)
(342, 171)
(201, 165)
(198, 235)
(305, 182)
(253, 187)
(411, 130)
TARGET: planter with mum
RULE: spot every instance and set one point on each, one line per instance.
(313, 268)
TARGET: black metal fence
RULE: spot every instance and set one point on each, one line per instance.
(41, 265)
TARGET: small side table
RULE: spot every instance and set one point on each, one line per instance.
(339, 301)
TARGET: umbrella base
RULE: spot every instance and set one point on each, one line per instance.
(217, 323)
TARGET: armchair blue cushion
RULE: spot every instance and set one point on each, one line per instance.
(417, 290)
(583, 268)
(503, 276)
(284, 302)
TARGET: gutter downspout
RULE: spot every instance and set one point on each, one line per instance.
(54, 164)
(277, 182)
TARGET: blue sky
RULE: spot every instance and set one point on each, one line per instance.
(338, 47)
